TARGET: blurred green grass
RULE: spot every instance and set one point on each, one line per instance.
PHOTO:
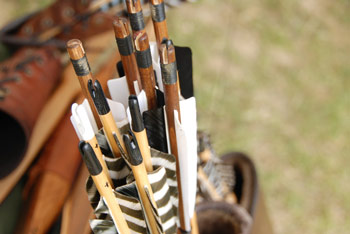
(272, 80)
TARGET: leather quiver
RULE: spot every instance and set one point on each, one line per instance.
(56, 24)
(26, 81)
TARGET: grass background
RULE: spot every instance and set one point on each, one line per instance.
(272, 80)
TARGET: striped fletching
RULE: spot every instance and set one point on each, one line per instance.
(164, 187)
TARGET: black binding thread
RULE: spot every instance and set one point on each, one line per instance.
(125, 45)
(81, 66)
(169, 73)
(158, 12)
(144, 58)
(136, 21)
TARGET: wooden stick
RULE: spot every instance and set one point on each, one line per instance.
(127, 53)
(159, 21)
(77, 210)
(144, 62)
(103, 187)
(142, 182)
(82, 124)
(194, 224)
(203, 178)
(135, 15)
(97, 150)
(82, 70)
(109, 126)
(140, 132)
(171, 95)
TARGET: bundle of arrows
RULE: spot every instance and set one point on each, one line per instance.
(140, 146)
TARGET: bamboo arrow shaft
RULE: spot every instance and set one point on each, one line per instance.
(105, 190)
(110, 128)
(142, 140)
(82, 70)
(94, 145)
(142, 182)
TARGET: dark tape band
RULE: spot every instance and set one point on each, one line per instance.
(81, 66)
(136, 21)
(158, 12)
(144, 58)
(169, 73)
(125, 45)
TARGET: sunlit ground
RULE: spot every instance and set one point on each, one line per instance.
(272, 80)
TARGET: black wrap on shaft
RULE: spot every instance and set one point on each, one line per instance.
(81, 66)
(144, 58)
(158, 12)
(136, 21)
(125, 45)
(169, 73)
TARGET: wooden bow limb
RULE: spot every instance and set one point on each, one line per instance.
(77, 209)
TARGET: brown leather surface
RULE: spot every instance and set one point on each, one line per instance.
(246, 187)
(72, 16)
(26, 81)
(59, 13)
(222, 217)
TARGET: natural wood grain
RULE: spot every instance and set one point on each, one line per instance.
(133, 6)
(94, 145)
(109, 128)
(41, 206)
(105, 190)
(142, 141)
(77, 209)
(147, 74)
(76, 51)
(171, 96)
(121, 30)
(160, 28)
